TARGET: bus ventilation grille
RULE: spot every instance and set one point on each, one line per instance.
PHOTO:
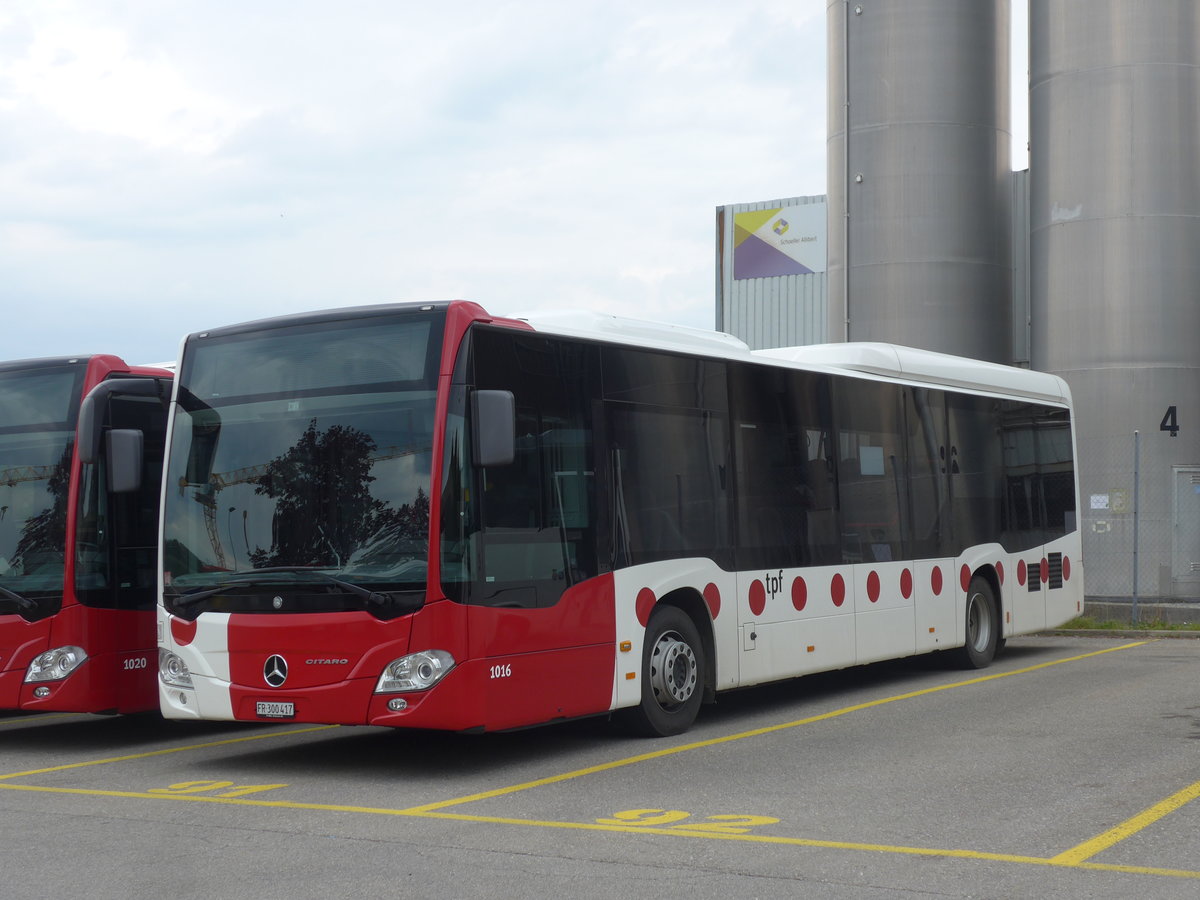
(1056, 580)
(1054, 572)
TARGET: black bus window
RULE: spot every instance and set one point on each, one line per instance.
(872, 489)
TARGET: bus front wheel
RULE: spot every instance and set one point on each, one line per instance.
(672, 675)
(983, 626)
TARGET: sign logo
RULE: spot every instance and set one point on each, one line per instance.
(275, 670)
(785, 240)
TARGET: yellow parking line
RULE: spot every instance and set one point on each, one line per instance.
(829, 845)
(194, 798)
(1056, 862)
(554, 779)
(1076, 858)
(1130, 827)
(148, 754)
(756, 732)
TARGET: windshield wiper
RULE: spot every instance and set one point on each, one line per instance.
(190, 598)
(356, 589)
(22, 602)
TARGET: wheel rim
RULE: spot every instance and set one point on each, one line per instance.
(674, 672)
(979, 622)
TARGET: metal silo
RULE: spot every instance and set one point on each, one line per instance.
(921, 87)
(1115, 273)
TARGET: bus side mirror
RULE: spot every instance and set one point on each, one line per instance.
(124, 460)
(495, 428)
(94, 410)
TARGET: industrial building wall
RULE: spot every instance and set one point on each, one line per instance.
(1097, 275)
(1115, 274)
(762, 308)
(918, 161)
(1020, 276)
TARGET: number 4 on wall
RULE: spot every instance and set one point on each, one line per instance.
(1170, 422)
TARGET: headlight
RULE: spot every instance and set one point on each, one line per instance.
(56, 664)
(172, 670)
(415, 672)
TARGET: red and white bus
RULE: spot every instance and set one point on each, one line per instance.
(79, 492)
(427, 516)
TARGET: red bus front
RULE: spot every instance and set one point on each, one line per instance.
(302, 498)
(76, 558)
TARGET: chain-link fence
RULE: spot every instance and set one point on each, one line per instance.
(1139, 537)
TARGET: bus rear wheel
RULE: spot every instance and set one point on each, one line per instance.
(672, 675)
(983, 626)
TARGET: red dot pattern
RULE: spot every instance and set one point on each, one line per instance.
(712, 596)
(183, 631)
(758, 598)
(799, 594)
(837, 589)
(645, 605)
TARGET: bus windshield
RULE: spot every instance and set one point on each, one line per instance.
(38, 408)
(301, 456)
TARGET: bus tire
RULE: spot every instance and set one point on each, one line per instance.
(982, 626)
(673, 669)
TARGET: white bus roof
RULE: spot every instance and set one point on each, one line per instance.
(660, 335)
(927, 367)
(879, 359)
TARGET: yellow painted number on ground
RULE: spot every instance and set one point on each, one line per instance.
(227, 788)
(728, 824)
(656, 818)
(647, 817)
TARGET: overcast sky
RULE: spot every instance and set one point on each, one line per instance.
(167, 167)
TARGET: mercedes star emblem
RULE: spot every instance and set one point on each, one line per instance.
(275, 670)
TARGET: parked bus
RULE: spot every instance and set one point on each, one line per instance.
(427, 516)
(79, 491)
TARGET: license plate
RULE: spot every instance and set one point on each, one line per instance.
(271, 709)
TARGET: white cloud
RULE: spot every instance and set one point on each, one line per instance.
(90, 79)
(181, 166)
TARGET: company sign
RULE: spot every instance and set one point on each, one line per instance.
(768, 243)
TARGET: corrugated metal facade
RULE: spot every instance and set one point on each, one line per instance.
(776, 311)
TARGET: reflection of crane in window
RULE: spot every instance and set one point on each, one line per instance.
(218, 481)
(17, 474)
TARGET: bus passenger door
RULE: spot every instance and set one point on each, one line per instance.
(133, 528)
(930, 541)
(539, 623)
